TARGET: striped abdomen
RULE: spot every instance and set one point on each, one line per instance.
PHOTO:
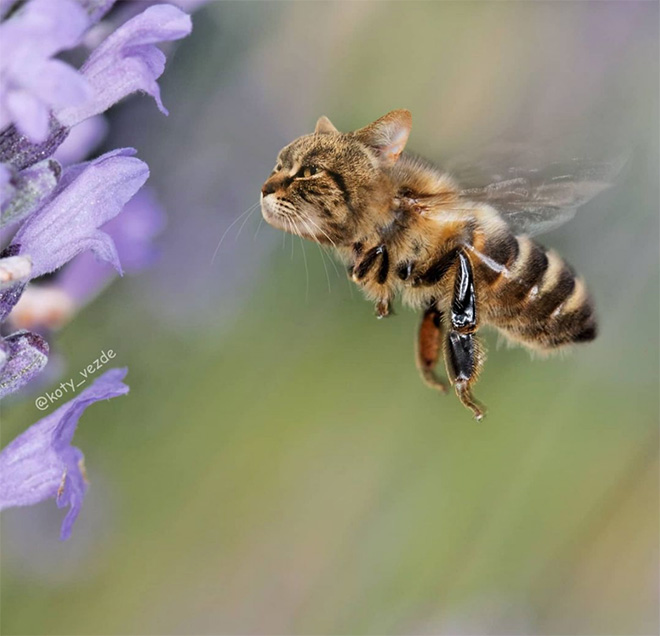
(531, 293)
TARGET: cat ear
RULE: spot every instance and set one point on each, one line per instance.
(324, 125)
(387, 135)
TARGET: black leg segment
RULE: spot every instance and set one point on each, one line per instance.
(460, 356)
(464, 302)
(453, 332)
(463, 354)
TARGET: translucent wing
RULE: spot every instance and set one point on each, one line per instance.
(533, 198)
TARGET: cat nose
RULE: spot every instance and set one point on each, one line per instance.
(268, 188)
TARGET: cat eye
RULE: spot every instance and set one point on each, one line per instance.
(306, 171)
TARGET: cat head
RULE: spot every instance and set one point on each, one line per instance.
(329, 186)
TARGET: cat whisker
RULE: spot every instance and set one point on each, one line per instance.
(302, 245)
(285, 233)
(236, 220)
(327, 276)
(240, 229)
(332, 261)
(288, 231)
(261, 221)
(292, 240)
(321, 230)
(296, 231)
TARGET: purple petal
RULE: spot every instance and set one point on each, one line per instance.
(28, 113)
(42, 28)
(128, 61)
(135, 228)
(41, 463)
(84, 278)
(31, 188)
(30, 82)
(133, 231)
(88, 196)
(56, 84)
(83, 139)
(27, 354)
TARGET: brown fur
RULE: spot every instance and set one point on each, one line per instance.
(397, 222)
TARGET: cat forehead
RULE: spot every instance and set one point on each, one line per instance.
(309, 146)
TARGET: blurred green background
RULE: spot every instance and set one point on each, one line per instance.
(278, 467)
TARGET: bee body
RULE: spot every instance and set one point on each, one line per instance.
(406, 229)
(529, 293)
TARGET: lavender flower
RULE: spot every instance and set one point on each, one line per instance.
(132, 231)
(88, 196)
(56, 215)
(31, 82)
(128, 61)
(42, 464)
(50, 306)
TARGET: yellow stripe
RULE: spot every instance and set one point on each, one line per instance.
(551, 276)
(524, 251)
(578, 297)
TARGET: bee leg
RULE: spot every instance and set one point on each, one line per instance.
(366, 264)
(463, 357)
(428, 348)
(463, 353)
(384, 308)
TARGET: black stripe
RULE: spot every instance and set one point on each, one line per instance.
(384, 269)
(548, 301)
(588, 333)
(438, 269)
(501, 248)
(575, 322)
(341, 184)
(363, 267)
(577, 326)
(533, 271)
(312, 155)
